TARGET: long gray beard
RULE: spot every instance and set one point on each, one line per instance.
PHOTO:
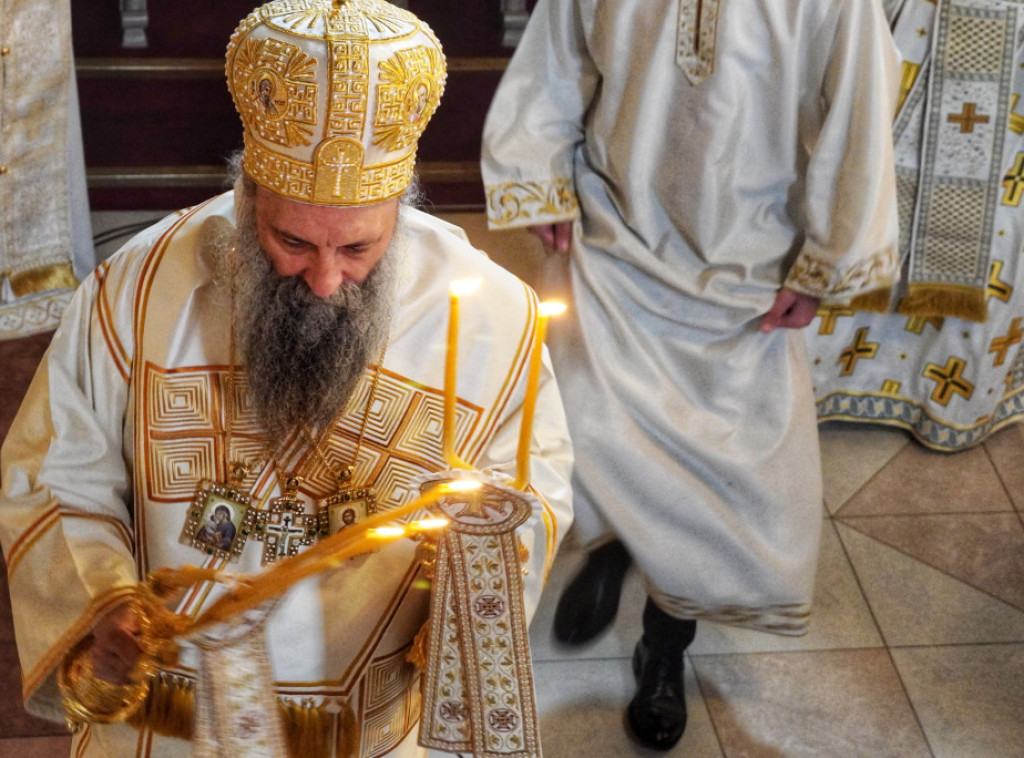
(303, 354)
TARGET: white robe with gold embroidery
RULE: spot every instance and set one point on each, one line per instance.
(128, 412)
(46, 242)
(709, 160)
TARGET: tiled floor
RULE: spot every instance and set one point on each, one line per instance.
(916, 648)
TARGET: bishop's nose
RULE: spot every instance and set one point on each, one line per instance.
(325, 274)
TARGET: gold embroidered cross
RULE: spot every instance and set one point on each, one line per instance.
(908, 75)
(829, 317)
(1000, 345)
(916, 324)
(1016, 120)
(996, 287)
(860, 348)
(1014, 182)
(891, 387)
(967, 118)
(343, 164)
(949, 380)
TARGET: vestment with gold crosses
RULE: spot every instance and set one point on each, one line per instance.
(128, 413)
(711, 152)
(946, 362)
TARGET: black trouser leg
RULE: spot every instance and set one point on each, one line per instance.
(657, 713)
(589, 604)
(667, 632)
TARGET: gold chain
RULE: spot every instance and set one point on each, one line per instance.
(345, 475)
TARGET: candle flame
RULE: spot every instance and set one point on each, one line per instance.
(463, 286)
(386, 531)
(429, 523)
(461, 485)
(552, 308)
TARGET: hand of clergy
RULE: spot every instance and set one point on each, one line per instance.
(791, 310)
(115, 644)
(554, 236)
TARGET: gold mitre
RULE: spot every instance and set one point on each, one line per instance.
(333, 95)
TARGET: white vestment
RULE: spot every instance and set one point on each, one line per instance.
(712, 151)
(948, 374)
(129, 411)
(45, 236)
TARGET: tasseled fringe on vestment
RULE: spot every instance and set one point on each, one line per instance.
(947, 300)
(170, 707)
(876, 301)
(42, 279)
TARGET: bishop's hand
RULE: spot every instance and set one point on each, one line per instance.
(116, 644)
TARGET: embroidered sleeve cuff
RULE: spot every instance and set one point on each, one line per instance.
(515, 204)
(836, 284)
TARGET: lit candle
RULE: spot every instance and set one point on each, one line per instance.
(455, 291)
(547, 310)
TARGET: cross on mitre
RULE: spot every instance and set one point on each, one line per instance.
(338, 164)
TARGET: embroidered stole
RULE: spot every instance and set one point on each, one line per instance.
(478, 692)
(236, 709)
(949, 134)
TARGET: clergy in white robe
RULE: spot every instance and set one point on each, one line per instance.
(946, 363)
(127, 414)
(46, 242)
(143, 442)
(710, 153)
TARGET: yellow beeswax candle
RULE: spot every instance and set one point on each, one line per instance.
(547, 310)
(456, 290)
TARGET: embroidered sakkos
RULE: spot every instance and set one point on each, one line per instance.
(156, 371)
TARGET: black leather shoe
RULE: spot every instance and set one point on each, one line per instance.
(657, 713)
(589, 604)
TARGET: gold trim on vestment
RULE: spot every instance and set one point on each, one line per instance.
(696, 38)
(824, 279)
(785, 619)
(309, 723)
(53, 277)
(876, 301)
(524, 203)
(949, 300)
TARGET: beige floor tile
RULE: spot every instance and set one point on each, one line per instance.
(840, 618)
(915, 604)
(918, 480)
(969, 699)
(582, 709)
(1006, 449)
(984, 550)
(852, 454)
(840, 704)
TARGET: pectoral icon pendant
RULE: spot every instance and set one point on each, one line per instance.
(347, 506)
